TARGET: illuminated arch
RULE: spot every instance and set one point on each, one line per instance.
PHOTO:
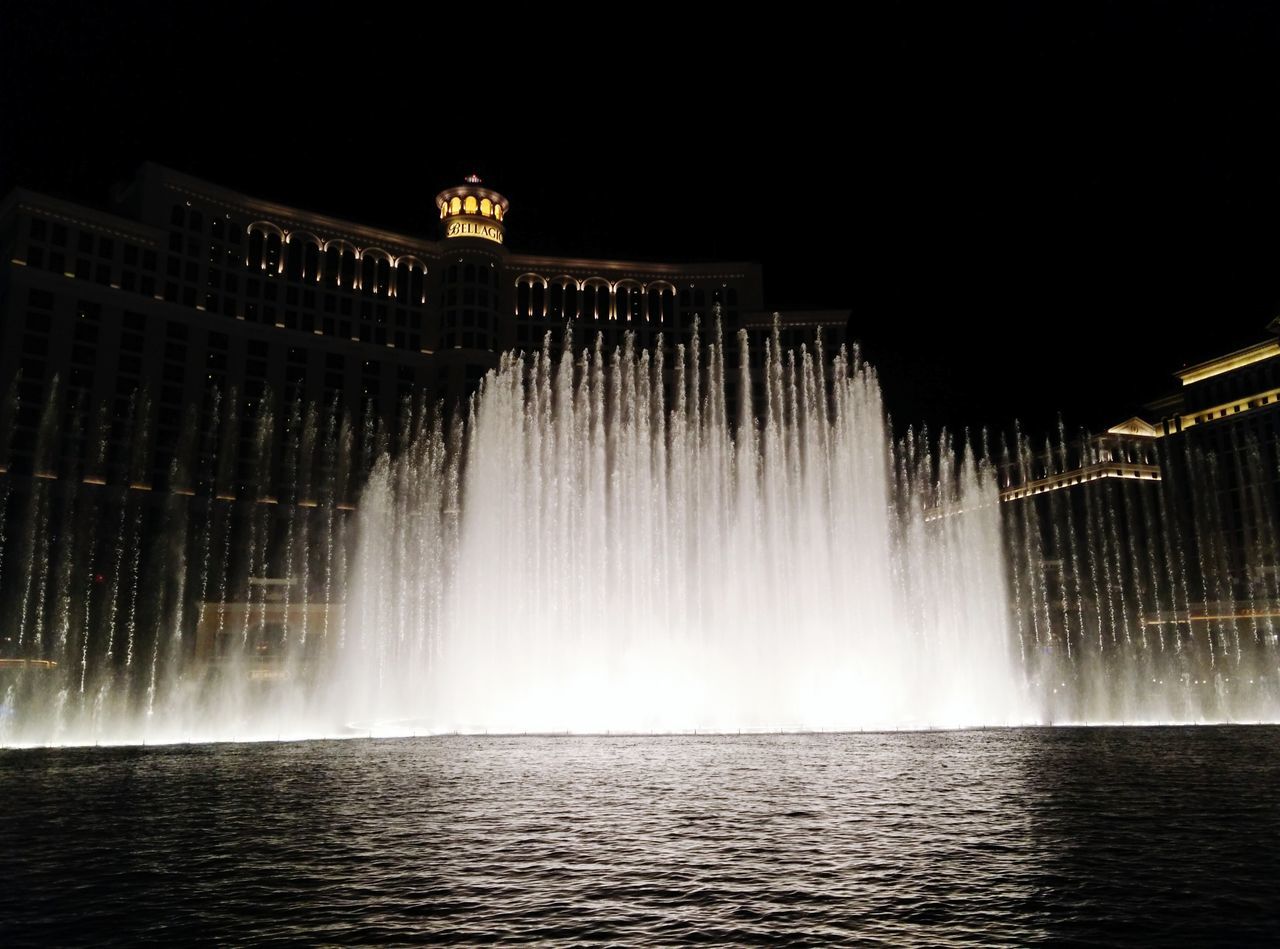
(597, 298)
(375, 270)
(628, 300)
(300, 264)
(266, 227)
(562, 297)
(265, 245)
(340, 260)
(291, 236)
(410, 261)
(531, 296)
(410, 284)
(660, 297)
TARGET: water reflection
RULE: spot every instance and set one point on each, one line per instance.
(945, 837)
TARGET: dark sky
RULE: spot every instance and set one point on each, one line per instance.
(1028, 212)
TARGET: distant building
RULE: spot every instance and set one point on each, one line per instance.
(1165, 523)
(198, 379)
(1224, 421)
(184, 288)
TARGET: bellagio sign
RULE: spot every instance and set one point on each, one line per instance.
(470, 227)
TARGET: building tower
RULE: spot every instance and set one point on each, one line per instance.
(472, 295)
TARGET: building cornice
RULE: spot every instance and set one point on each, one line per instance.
(1237, 360)
(334, 228)
(81, 216)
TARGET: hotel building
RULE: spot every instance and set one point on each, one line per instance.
(182, 288)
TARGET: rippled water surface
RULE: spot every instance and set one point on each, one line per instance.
(1168, 835)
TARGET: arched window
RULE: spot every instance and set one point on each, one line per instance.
(311, 261)
(293, 259)
(595, 299)
(339, 264)
(555, 301)
(271, 258)
(375, 271)
(571, 301)
(628, 301)
(661, 302)
(265, 242)
(257, 250)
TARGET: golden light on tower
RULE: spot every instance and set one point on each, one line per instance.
(472, 211)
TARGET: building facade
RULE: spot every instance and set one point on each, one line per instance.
(1166, 526)
(184, 288)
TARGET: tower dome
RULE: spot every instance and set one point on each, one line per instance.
(472, 211)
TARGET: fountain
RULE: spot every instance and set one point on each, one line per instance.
(611, 541)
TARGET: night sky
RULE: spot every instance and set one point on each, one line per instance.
(1028, 213)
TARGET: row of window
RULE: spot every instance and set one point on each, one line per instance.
(564, 300)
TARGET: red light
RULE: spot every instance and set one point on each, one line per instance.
(99, 578)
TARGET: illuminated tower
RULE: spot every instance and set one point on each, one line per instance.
(471, 292)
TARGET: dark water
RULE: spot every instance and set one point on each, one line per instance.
(1167, 836)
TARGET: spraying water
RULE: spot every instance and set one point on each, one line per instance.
(617, 540)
